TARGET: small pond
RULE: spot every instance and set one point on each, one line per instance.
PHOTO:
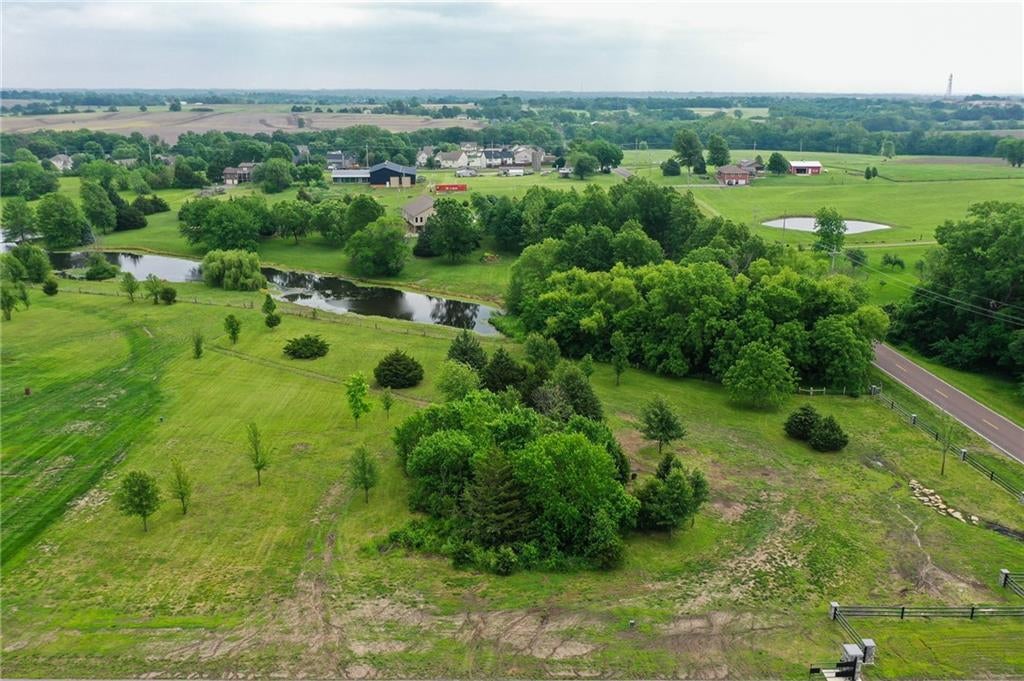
(806, 224)
(328, 293)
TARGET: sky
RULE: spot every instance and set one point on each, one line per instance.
(822, 46)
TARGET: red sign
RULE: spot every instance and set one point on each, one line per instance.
(452, 187)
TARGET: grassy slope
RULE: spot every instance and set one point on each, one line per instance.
(282, 579)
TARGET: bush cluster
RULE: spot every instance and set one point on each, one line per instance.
(234, 270)
(822, 433)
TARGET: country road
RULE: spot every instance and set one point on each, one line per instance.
(625, 173)
(1000, 431)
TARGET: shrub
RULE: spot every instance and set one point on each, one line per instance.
(234, 270)
(801, 423)
(272, 319)
(505, 561)
(100, 268)
(129, 217)
(827, 436)
(50, 286)
(398, 370)
(168, 294)
(309, 346)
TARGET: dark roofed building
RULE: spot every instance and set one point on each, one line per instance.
(340, 160)
(390, 174)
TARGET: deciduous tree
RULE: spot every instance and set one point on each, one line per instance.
(362, 471)
(356, 392)
(138, 494)
(659, 422)
(259, 455)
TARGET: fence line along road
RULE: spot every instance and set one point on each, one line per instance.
(996, 428)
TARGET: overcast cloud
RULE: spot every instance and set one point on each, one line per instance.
(760, 47)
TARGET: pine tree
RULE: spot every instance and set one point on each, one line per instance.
(466, 348)
(494, 502)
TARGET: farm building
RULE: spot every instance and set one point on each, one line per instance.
(733, 175)
(805, 167)
(342, 175)
(390, 174)
(62, 162)
(417, 211)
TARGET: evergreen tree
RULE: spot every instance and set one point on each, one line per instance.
(466, 348)
(502, 371)
(495, 504)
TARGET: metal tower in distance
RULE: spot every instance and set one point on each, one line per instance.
(949, 87)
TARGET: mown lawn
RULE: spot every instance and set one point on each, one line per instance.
(286, 579)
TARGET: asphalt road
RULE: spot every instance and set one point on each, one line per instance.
(1000, 431)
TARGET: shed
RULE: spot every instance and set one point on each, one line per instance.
(350, 175)
(733, 175)
(805, 167)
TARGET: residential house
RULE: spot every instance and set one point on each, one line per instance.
(126, 162)
(733, 175)
(523, 155)
(497, 157)
(423, 155)
(166, 159)
(453, 159)
(755, 167)
(340, 160)
(62, 162)
(240, 174)
(476, 159)
(417, 211)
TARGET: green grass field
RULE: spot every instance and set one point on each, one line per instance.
(283, 579)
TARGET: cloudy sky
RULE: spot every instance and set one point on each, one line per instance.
(684, 46)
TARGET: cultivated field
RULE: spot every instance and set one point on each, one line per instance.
(169, 125)
(286, 579)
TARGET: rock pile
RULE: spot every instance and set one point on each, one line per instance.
(930, 498)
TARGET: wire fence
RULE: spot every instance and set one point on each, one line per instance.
(907, 611)
(960, 452)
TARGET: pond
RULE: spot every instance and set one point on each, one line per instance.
(806, 224)
(323, 292)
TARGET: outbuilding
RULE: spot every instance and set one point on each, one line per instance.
(388, 174)
(805, 167)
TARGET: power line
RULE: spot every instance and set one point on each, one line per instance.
(951, 301)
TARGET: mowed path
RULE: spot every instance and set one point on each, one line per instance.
(1000, 431)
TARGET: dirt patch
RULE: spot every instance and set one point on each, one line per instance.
(730, 511)
(77, 427)
(376, 647)
(534, 633)
(301, 447)
(89, 502)
(104, 401)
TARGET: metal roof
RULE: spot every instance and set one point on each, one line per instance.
(357, 172)
(805, 164)
(405, 170)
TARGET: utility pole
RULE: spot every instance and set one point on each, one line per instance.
(834, 253)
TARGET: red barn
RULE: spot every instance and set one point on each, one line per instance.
(805, 167)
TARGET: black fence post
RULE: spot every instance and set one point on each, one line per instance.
(903, 611)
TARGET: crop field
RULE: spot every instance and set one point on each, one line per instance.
(169, 125)
(287, 578)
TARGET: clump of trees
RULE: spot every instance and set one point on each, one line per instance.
(967, 311)
(379, 248)
(308, 346)
(451, 231)
(99, 268)
(822, 433)
(506, 488)
(234, 270)
(398, 369)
